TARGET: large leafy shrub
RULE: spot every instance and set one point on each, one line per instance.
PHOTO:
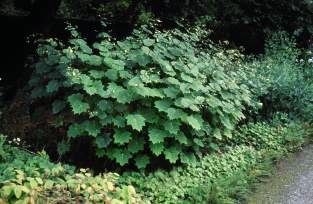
(152, 94)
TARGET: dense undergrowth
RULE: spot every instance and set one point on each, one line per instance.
(216, 118)
(31, 178)
(224, 177)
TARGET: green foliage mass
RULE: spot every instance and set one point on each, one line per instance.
(282, 80)
(31, 178)
(226, 177)
(164, 95)
(279, 133)
(195, 183)
(152, 94)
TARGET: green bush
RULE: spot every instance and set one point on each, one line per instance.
(31, 178)
(279, 79)
(152, 94)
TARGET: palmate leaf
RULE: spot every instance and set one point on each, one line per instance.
(172, 153)
(77, 104)
(135, 82)
(42, 67)
(165, 66)
(89, 59)
(113, 88)
(122, 137)
(105, 105)
(121, 156)
(53, 86)
(112, 74)
(121, 94)
(125, 74)
(163, 105)
(119, 121)
(157, 135)
(171, 92)
(95, 87)
(157, 148)
(198, 142)
(172, 126)
(213, 101)
(96, 74)
(135, 145)
(148, 92)
(181, 138)
(91, 127)
(82, 45)
(147, 77)
(195, 121)
(102, 115)
(187, 78)
(74, 130)
(226, 122)
(188, 158)
(124, 96)
(136, 121)
(151, 116)
(114, 64)
(187, 102)
(103, 141)
(173, 81)
(217, 133)
(142, 59)
(142, 161)
(175, 113)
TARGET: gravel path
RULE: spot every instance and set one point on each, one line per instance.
(291, 184)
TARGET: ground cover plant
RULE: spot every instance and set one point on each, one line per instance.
(32, 178)
(228, 176)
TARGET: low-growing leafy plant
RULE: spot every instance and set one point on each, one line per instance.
(194, 183)
(27, 178)
(226, 177)
(260, 136)
(150, 95)
(278, 133)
